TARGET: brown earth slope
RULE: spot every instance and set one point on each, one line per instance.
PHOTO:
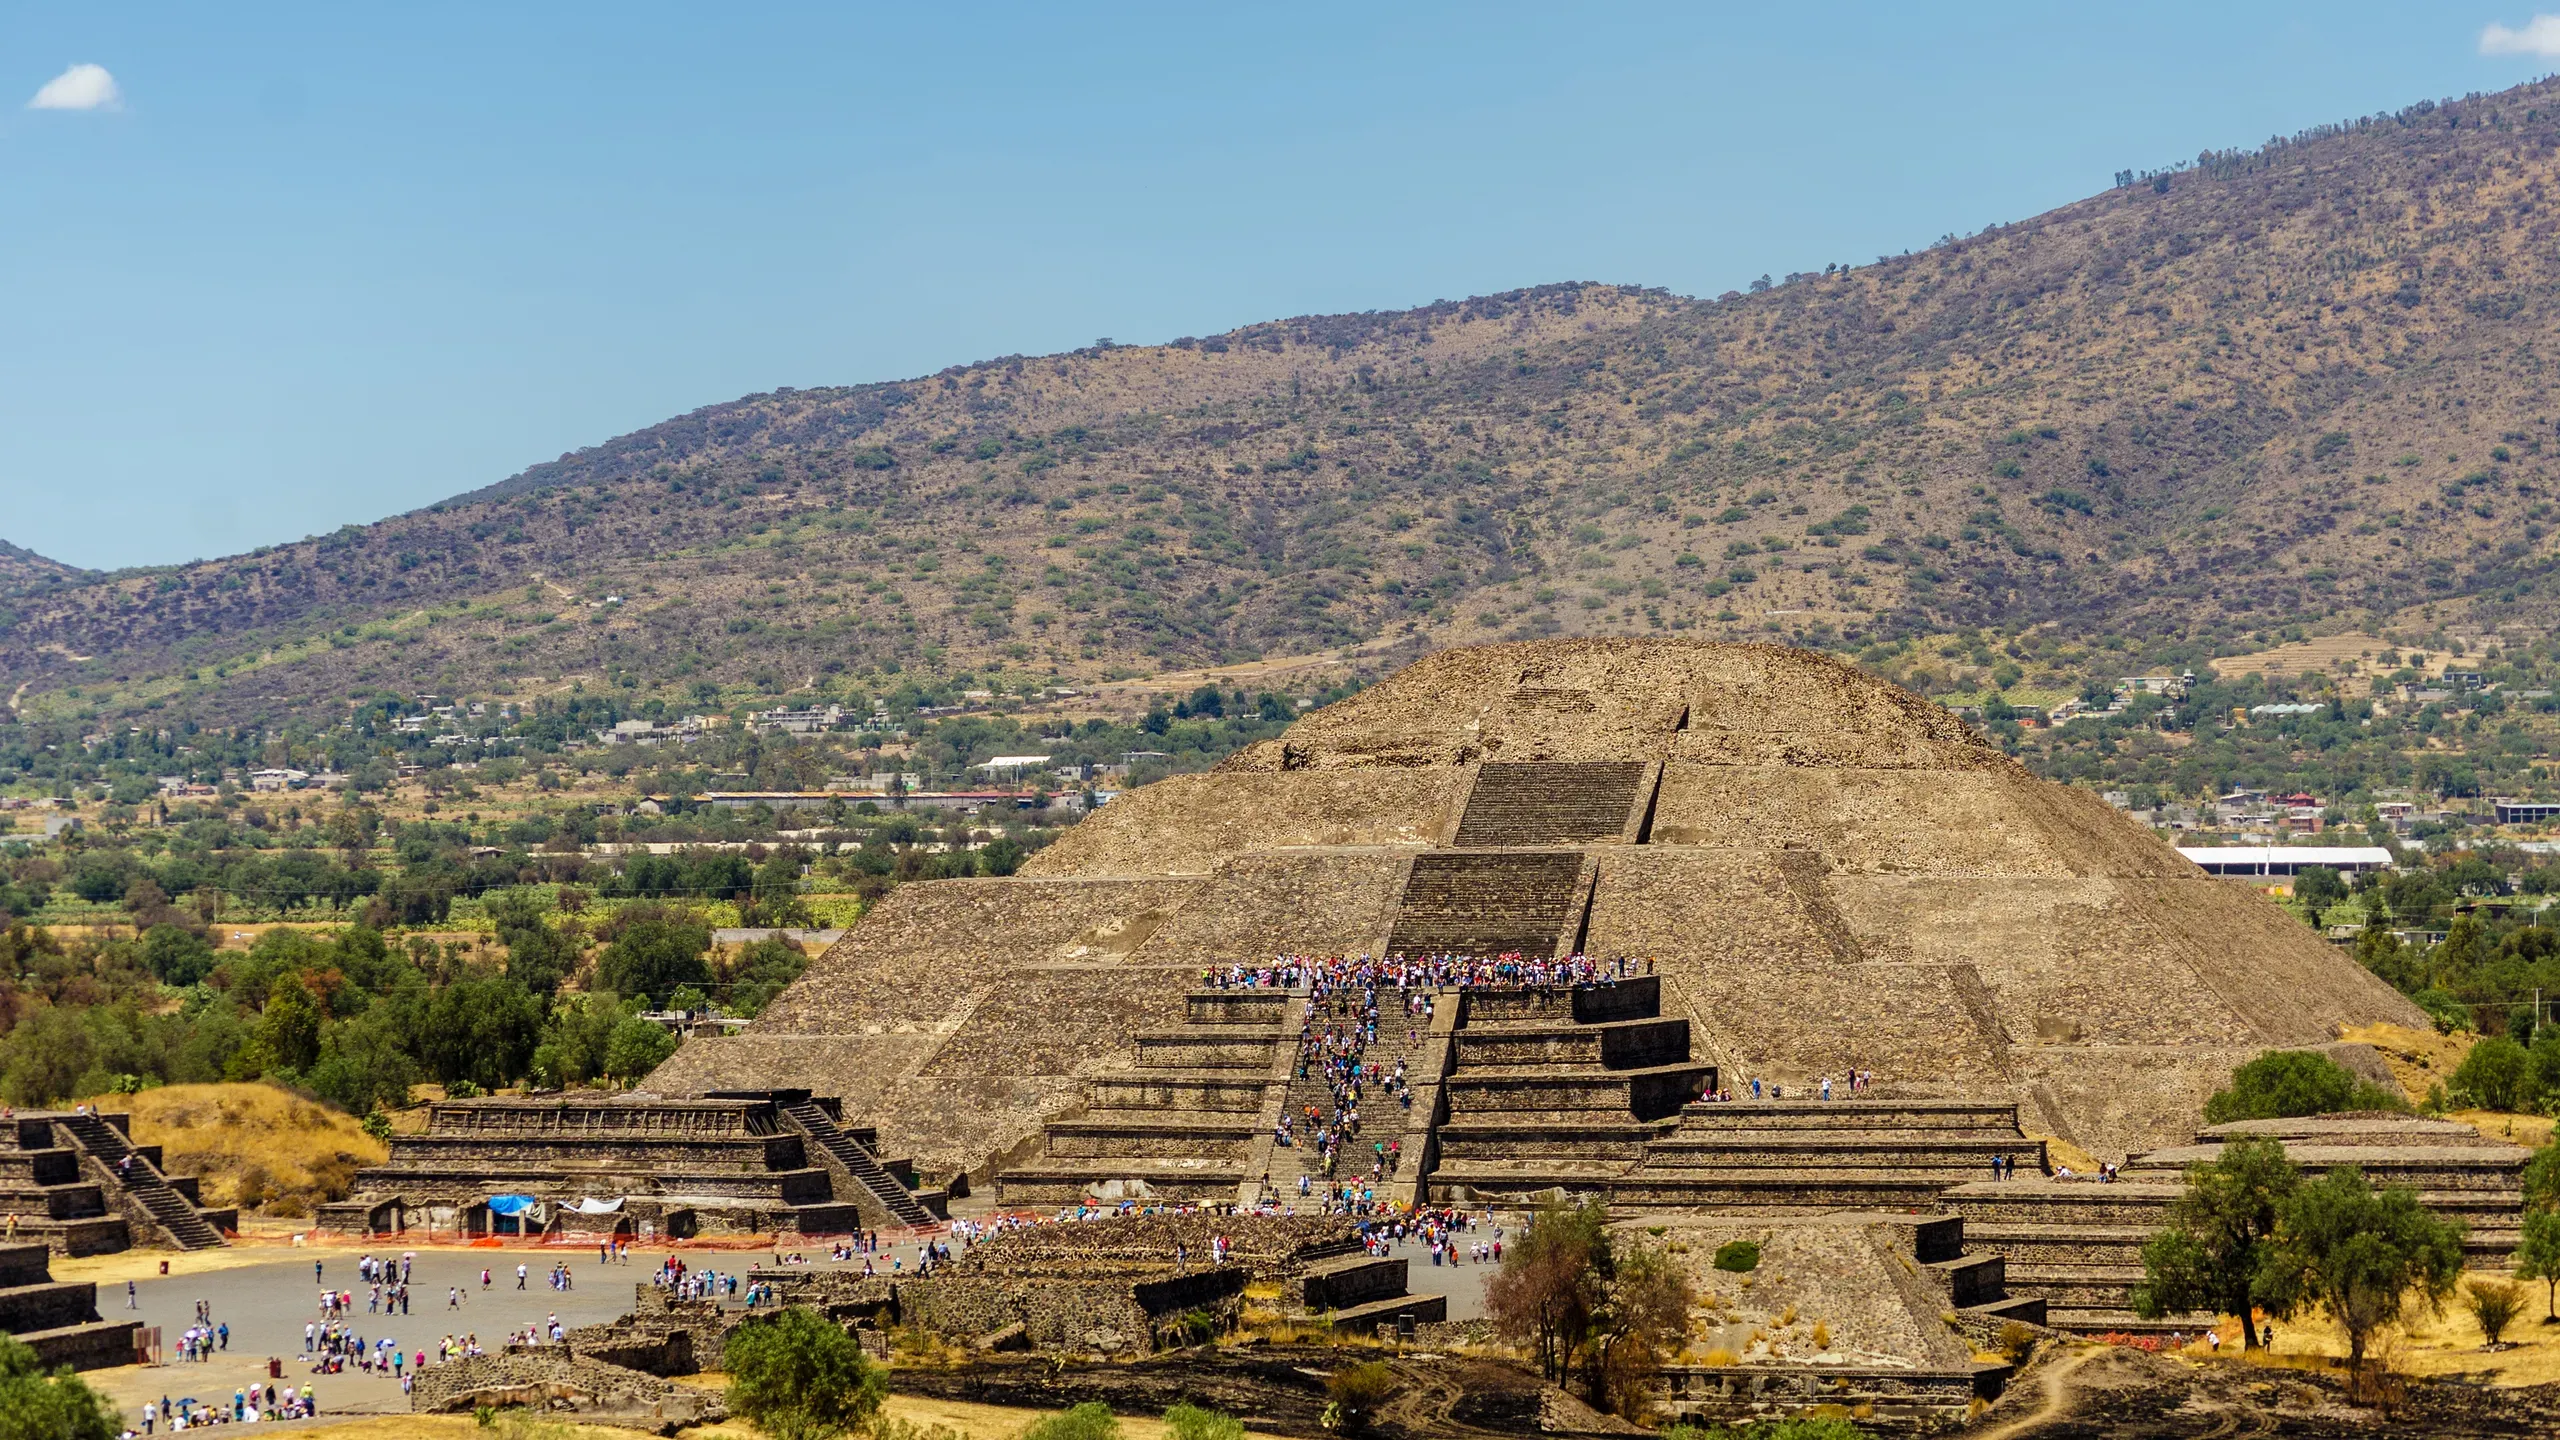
(2296, 381)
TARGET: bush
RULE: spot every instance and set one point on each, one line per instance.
(2496, 1075)
(799, 1376)
(2495, 1304)
(1190, 1422)
(2450, 1015)
(2282, 1084)
(1354, 1393)
(1739, 1256)
(56, 1404)
(2017, 1341)
(1092, 1420)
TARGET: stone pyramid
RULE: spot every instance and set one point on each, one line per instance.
(1827, 871)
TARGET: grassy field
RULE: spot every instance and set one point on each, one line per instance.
(251, 1144)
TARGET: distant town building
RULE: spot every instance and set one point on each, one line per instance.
(2527, 812)
(2282, 861)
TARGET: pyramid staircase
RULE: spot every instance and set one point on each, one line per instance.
(1559, 1086)
(1550, 803)
(852, 1153)
(58, 1319)
(1491, 902)
(1184, 1123)
(132, 1174)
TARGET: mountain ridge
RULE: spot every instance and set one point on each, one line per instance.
(2301, 385)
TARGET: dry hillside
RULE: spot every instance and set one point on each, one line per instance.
(2297, 382)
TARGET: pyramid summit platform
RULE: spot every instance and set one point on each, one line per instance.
(1825, 871)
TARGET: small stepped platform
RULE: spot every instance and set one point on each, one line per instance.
(1145, 1133)
(1550, 802)
(1225, 1091)
(58, 1319)
(1630, 997)
(1489, 902)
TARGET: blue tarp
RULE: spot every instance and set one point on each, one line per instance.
(511, 1204)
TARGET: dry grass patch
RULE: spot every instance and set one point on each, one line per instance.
(2419, 1059)
(254, 1146)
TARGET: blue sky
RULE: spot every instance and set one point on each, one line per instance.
(313, 265)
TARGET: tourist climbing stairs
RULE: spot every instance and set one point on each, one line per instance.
(1550, 803)
(1382, 1119)
(905, 1205)
(133, 1171)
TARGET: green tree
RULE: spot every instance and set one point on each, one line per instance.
(637, 1047)
(653, 951)
(177, 957)
(799, 1376)
(44, 1057)
(41, 1404)
(481, 1029)
(538, 955)
(2318, 887)
(2220, 1232)
(2538, 1258)
(1547, 1289)
(2496, 1075)
(364, 1065)
(2363, 1255)
(2285, 1083)
(289, 1028)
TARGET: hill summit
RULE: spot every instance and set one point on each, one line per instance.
(1814, 871)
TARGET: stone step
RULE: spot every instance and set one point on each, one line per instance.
(2078, 1287)
(1550, 802)
(47, 1304)
(1066, 1181)
(1350, 1280)
(1628, 997)
(2026, 1309)
(1219, 1090)
(1647, 1092)
(77, 1201)
(1968, 1280)
(1425, 1310)
(1103, 1134)
(1598, 1137)
(1610, 1045)
(1488, 903)
(1964, 1159)
(1268, 1008)
(2117, 1321)
(1850, 1114)
(93, 1235)
(2425, 1168)
(91, 1345)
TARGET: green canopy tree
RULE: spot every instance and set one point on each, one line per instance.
(799, 1376)
(51, 1404)
(2365, 1256)
(2538, 1258)
(2219, 1235)
(2285, 1083)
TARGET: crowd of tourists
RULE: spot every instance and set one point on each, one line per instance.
(1320, 974)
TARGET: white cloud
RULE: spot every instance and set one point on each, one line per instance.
(2540, 36)
(82, 87)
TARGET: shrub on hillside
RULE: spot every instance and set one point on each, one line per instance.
(1739, 1256)
(2285, 1083)
(2496, 1075)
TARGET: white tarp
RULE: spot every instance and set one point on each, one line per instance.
(595, 1207)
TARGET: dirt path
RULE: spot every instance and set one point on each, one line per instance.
(2053, 1382)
